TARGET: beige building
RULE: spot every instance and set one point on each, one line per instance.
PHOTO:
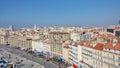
(97, 56)
(111, 55)
(65, 51)
(87, 57)
(58, 38)
(101, 55)
(56, 49)
(61, 36)
(3, 40)
(21, 41)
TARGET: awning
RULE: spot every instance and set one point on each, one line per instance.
(74, 66)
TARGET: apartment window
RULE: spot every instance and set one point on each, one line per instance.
(61, 36)
(119, 58)
(113, 57)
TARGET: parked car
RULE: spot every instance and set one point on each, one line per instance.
(3, 63)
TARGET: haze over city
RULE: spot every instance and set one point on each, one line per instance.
(26, 13)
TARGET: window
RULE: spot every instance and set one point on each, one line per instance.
(113, 57)
(119, 58)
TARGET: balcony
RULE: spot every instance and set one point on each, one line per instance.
(75, 55)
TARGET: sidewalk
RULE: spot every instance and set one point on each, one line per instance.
(20, 62)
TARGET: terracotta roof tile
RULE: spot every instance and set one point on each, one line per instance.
(102, 36)
(117, 46)
(110, 36)
(109, 45)
(99, 46)
(58, 33)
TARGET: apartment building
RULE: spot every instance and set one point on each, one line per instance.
(75, 55)
(62, 36)
(96, 50)
(75, 36)
(87, 55)
(2, 39)
(97, 58)
(86, 36)
(111, 55)
(58, 38)
(20, 41)
(117, 33)
(41, 46)
(65, 53)
(56, 49)
(4, 34)
(101, 55)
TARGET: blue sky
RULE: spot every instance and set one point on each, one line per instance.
(26, 13)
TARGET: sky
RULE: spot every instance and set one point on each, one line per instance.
(26, 13)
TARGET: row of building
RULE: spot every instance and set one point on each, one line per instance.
(82, 47)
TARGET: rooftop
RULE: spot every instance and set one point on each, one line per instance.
(99, 46)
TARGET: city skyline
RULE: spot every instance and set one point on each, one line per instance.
(26, 13)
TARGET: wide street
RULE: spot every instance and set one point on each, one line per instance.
(29, 57)
(18, 61)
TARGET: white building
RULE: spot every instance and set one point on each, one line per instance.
(40, 46)
(75, 55)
